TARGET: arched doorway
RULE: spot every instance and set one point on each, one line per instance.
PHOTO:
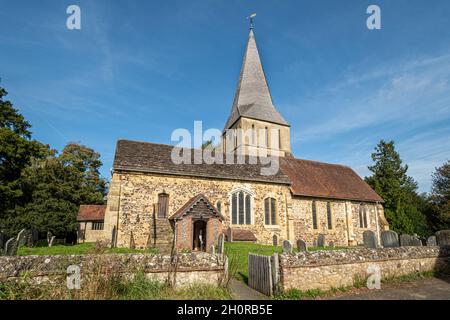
(199, 238)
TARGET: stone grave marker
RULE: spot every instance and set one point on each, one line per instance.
(431, 241)
(443, 238)
(331, 244)
(52, 241)
(287, 246)
(389, 239)
(113, 238)
(275, 240)
(2, 241)
(22, 238)
(369, 239)
(406, 240)
(301, 246)
(221, 244)
(49, 237)
(35, 234)
(213, 249)
(416, 242)
(11, 247)
(29, 239)
(321, 240)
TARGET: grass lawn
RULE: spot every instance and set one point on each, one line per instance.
(82, 248)
(237, 253)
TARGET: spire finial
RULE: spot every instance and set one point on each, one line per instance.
(251, 17)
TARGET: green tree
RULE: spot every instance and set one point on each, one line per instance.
(439, 205)
(399, 191)
(16, 151)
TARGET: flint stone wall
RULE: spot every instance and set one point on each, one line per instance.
(334, 269)
(192, 268)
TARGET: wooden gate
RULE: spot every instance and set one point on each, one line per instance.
(263, 273)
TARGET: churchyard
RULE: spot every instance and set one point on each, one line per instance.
(38, 269)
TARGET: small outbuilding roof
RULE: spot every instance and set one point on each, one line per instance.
(91, 213)
(199, 204)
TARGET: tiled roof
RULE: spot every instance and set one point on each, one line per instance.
(316, 179)
(253, 99)
(200, 202)
(156, 158)
(91, 213)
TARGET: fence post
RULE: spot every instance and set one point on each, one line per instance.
(275, 272)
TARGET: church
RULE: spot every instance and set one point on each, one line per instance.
(154, 202)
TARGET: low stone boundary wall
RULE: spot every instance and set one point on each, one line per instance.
(191, 268)
(334, 269)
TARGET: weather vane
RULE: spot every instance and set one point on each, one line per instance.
(251, 17)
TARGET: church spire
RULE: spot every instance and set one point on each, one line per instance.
(253, 99)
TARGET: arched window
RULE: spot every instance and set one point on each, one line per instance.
(363, 216)
(314, 215)
(270, 210)
(219, 206)
(241, 211)
(329, 216)
(163, 205)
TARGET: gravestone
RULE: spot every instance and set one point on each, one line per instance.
(35, 234)
(275, 240)
(29, 239)
(406, 240)
(213, 249)
(331, 244)
(11, 247)
(2, 241)
(431, 241)
(321, 240)
(230, 235)
(369, 239)
(301, 246)
(443, 238)
(287, 246)
(221, 244)
(389, 239)
(416, 242)
(49, 237)
(22, 238)
(52, 241)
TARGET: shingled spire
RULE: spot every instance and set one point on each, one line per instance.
(253, 99)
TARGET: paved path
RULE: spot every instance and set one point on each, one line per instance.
(240, 291)
(427, 289)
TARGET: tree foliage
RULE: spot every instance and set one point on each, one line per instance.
(39, 188)
(399, 191)
(439, 200)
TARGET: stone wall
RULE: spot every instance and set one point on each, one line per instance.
(333, 269)
(192, 268)
(345, 225)
(139, 194)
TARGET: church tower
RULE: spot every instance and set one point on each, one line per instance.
(255, 127)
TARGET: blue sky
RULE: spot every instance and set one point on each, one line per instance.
(140, 69)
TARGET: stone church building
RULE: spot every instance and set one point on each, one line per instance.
(154, 202)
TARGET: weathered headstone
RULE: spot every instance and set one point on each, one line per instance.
(331, 244)
(52, 241)
(301, 246)
(287, 246)
(49, 237)
(416, 242)
(2, 240)
(29, 239)
(369, 239)
(443, 238)
(213, 249)
(431, 241)
(389, 239)
(11, 247)
(230, 235)
(22, 238)
(406, 240)
(321, 240)
(275, 240)
(221, 244)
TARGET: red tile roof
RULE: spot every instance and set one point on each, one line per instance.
(317, 179)
(198, 200)
(91, 213)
